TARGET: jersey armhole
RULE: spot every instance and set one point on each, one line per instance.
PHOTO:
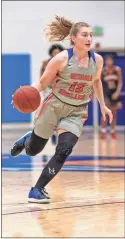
(92, 55)
(70, 53)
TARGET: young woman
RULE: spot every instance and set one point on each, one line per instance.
(66, 109)
(112, 84)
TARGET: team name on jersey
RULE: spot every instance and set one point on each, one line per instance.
(75, 76)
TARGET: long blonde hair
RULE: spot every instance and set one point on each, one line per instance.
(60, 28)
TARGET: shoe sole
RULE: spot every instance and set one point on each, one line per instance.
(33, 200)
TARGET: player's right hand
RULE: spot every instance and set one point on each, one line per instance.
(106, 111)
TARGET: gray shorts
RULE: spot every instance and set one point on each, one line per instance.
(53, 114)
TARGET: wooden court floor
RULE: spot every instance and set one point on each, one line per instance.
(87, 196)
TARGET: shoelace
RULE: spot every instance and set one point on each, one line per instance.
(44, 191)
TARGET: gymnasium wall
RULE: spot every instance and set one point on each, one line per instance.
(15, 72)
(23, 25)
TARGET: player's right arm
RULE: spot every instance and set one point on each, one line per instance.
(52, 68)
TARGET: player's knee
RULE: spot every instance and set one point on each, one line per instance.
(30, 151)
(63, 150)
(34, 145)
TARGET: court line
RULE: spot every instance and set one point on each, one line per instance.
(59, 208)
(75, 165)
(64, 201)
(70, 158)
(69, 168)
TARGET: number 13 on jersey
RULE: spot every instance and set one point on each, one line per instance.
(76, 87)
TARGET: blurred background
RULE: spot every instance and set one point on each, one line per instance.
(92, 178)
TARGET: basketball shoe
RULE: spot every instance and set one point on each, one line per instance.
(19, 146)
(36, 196)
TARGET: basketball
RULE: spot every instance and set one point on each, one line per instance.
(26, 99)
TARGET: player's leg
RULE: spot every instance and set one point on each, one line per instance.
(66, 142)
(103, 128)
(113, 124)
(69, 130)
(32, 144)
(115, 105)
(104, 123)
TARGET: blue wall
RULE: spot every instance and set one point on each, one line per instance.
(15, 72)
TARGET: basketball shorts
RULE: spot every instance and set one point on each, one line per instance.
(53, 114)
(108, 98)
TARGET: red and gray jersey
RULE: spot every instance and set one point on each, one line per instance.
(74, 84)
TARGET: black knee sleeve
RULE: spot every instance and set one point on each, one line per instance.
(63, 150)
(34, 144)
(30, 151)
(66, 142)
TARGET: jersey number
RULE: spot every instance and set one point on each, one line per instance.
(76, 87)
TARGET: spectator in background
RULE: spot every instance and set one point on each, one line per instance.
(97, 47)
(112, 84)
(53, 51)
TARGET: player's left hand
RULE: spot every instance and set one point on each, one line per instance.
(115, 96)
(106, 111)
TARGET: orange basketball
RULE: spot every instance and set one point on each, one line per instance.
(26, 99)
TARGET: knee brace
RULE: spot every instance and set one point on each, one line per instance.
(65, 145)
(63, 150)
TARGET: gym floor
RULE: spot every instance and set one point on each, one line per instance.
(87, 195)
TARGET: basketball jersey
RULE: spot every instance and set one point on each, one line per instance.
(74, 84)
(110, 80)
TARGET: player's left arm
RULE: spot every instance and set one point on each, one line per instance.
(98, 89)
(119, 86)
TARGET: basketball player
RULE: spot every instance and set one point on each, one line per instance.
(53, 51)
(66, 109)
(112, 84)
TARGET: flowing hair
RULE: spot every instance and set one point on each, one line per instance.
(61, 28)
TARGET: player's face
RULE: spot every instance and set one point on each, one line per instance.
(109, 61)
(55, 52)
(83, 39)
